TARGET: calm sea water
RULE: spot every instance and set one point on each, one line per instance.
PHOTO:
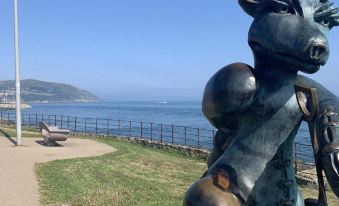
(185, 113)
(179, 113)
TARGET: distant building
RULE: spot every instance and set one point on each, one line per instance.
(7, 96)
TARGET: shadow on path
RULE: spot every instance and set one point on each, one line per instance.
(7, 136)
(41, 142)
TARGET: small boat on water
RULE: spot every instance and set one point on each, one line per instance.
(162, 102)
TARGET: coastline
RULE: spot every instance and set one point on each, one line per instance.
(12, 105)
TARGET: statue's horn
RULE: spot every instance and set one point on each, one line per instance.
(249, 6)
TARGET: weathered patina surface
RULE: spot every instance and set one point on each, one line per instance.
(256, 109)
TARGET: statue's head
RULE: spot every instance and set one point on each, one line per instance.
(291, 34)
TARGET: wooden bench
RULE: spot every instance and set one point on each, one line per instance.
(52, 134)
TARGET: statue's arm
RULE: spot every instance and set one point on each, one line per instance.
(228, 93)
(328, 131)
(325, 97)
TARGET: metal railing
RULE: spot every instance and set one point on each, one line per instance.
(162, 133)
(304, 168)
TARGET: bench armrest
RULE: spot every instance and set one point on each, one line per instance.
(60, 131)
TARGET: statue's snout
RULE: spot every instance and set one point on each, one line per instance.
(317, 50)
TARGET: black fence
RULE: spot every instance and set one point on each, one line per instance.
(163, 133)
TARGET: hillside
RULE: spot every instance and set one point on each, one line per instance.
(40, 91)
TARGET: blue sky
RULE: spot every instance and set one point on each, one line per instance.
(133, 50)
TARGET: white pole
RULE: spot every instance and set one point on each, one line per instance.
(17, 75)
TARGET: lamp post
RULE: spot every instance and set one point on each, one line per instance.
(17, 75)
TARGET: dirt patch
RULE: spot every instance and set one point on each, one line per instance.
(19, 185)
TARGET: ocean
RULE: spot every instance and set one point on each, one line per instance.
(186, 113)
(181, 113)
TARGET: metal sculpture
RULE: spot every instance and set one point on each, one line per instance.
(310, 114)
(257, 113)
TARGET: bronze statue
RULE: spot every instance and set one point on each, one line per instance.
(256, 110)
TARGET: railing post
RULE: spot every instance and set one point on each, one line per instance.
(7, 118)
(151, 131)
(67, 122)
(29, 119)
(198, 136)
(75, 124)
(295, 158)
(172, 134)
(119, 133)
(141, 124)
(130, 128)
(107, 127)
(160, 132)
(55, 120)
(36, 119)
(96, 125)
(61, 122)
(49, 119)
(85, 126)
(185, 135)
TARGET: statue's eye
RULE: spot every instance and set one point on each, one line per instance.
(327, 16)
(325, 22)
(281, 7)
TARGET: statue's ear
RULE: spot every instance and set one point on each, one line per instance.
(249, 6)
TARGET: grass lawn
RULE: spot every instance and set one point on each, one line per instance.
(134, 175)
(312, 193)
(11, 132)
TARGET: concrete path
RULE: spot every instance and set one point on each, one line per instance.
(18, 183)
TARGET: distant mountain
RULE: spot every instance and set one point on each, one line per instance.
(40, 91)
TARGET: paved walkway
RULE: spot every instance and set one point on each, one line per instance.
(18, 183)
